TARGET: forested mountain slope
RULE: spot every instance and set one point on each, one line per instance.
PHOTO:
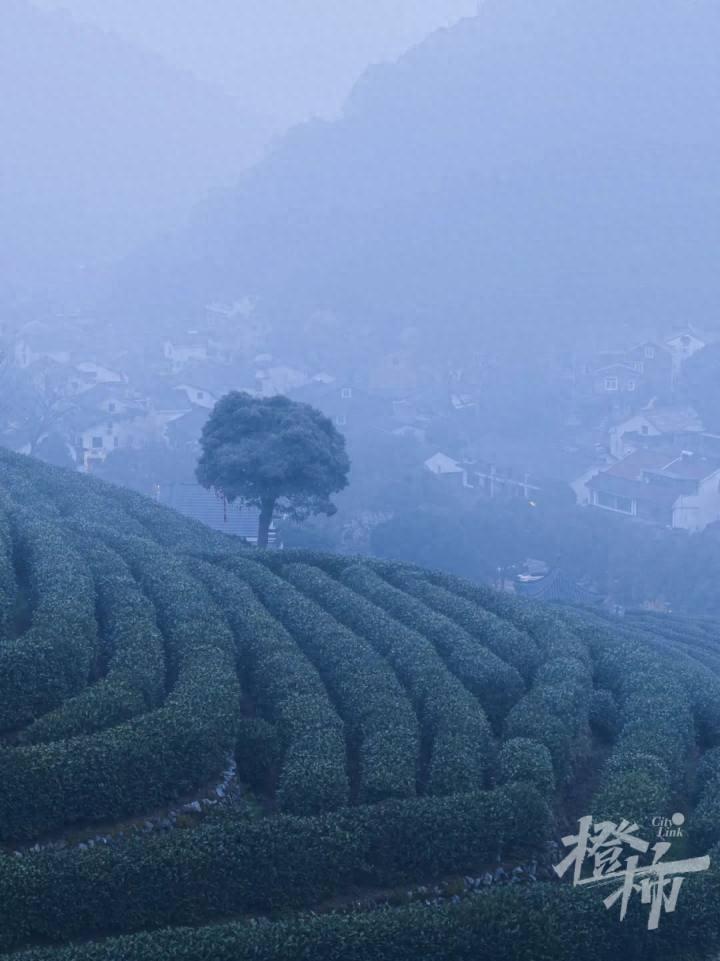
(541, 170)
(104, 145)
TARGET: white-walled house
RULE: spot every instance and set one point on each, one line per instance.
(103, 437)
(39, 341)
(101, 374)
(580, 485)
(199, 396)
(629, 434)
(443, 464)
(279, 380)
(192, 348)
(682, 344)
(26, 354)
(674, 488)
(133, 429)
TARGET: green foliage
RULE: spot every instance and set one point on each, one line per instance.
(527, 761)
(708, 770)
(704, 827)
(496, 684)
(513, 646)
(555, 712)
(604, 714)
(154, 649)
(545, 922)
(135, 678)
(457, 736)
(289, 693)
(229, 866)
(377, 713)
(258, 753)
(8, 586)
(265, 451)
(54, 659)
(649, 760)
(634, 786)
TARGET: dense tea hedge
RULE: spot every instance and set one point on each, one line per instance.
(540, 923)
(8, 582)
(133, 649)
(382, 726)
(140, 651)
(526, 761)
(228, 866)
(289, 692)
(496, 684)
(55, 657)
(458, 741)
(512, 645)
(155, 757)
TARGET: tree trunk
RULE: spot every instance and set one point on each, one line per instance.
(266, 515)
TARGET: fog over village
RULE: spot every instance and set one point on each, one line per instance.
(365, 290)
(491, 268)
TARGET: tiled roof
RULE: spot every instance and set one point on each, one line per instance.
(557, 586)
(617, 366)
(632, 466)
(656, 476)
(673, 420)
(668, 463)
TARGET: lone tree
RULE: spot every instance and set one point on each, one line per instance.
(272, 452)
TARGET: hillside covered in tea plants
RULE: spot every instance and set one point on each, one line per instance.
(209, 751)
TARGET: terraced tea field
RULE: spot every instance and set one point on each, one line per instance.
(208, 751)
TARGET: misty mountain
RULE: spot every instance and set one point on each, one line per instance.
(286, 59)
(543, 168)
(103, 145)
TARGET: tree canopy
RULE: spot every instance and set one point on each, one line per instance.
(273, 452)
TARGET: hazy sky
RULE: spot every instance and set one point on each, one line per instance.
(286, 59)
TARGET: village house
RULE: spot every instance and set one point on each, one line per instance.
(111, 398)
(503, 481)
(345, 404)
(115, 417)
(40, 342)
(624, 377)
(442, 465)
(682, 344)
(649, 359)
(672, 487)
(192, 347)
(100, 374)
(617, 381)
(279, 379)
(131, 430)
(506, 471)
(199, 396)
(100, 438)
(651, 422)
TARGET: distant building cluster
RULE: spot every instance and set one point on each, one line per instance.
(130, 396)
(645, 455)
(639, 451)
